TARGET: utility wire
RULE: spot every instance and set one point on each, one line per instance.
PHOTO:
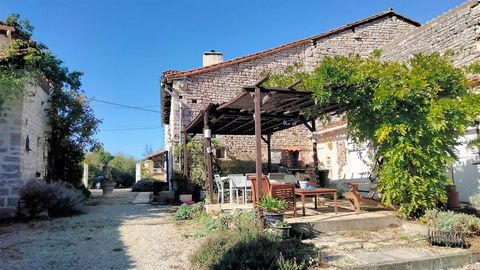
(124, 129)
(122, 105)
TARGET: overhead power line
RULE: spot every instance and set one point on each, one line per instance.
(124, 129)
(123, 105)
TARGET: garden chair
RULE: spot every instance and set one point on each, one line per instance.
(283, 191)
(239, 183)
(220, 188)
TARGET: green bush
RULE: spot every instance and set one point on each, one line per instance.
(237, 241)
(184, 212)
(84, 190)
(149, 185)
(475, 201)
(448, 221)
(58, 198)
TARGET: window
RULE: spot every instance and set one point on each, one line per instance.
(221, 153)
(194, 101)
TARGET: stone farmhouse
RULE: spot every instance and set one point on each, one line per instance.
(23, 138)
(186, 93)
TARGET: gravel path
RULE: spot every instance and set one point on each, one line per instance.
(112, 234)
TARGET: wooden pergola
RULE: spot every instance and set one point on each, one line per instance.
(258, 111)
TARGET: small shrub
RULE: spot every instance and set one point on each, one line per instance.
(448, 221)
(184, 212)
(85, 191)
(475, 201)
(290, 264)
(58, 198)
(198, 208)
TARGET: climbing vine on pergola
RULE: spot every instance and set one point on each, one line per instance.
(410, 113)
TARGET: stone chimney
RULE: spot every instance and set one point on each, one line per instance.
(212, 57)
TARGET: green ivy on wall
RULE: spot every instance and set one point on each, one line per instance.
(412, 114)
(71, 119)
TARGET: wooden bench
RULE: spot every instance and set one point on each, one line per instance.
(356, 199)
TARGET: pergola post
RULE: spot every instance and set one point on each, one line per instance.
(314, 144)
(208, 155)
(269, 151)
(185, 155)
(258, 142)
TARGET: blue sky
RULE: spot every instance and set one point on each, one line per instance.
(123, 46)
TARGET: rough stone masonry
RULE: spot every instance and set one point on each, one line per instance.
(222, 82)
(23, 145)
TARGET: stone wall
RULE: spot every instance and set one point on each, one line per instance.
(19, 163)
(223, 84)
(457, 30)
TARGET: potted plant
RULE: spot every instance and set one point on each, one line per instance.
(302, 179)
(282, 228)
(273, 209)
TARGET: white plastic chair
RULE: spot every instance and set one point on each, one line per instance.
(221, 188)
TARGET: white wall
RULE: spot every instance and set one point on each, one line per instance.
(465, 175)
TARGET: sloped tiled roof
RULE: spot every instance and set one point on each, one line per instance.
(171, 74)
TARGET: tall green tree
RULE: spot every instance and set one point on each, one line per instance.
(72, 121)
(412, 114)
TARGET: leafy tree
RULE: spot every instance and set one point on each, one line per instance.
(412, 114)
(123, 169)
(71, 118)
(123, 166)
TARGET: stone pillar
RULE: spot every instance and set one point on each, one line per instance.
(138, 172)
(85, 175)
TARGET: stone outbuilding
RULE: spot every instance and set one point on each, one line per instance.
(24, 133)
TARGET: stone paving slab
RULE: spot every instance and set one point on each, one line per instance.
(142, 198)
(393, 255)
(412, 258)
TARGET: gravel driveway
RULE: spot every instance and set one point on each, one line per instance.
(112, 234)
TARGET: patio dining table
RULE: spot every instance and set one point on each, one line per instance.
(315, 192)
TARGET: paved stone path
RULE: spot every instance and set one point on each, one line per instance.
(113, 234)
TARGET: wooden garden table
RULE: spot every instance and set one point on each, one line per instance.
(315, 192)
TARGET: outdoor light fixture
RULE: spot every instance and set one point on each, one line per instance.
(285, 123)
(207, 133)
(314, 136)
(209, 150)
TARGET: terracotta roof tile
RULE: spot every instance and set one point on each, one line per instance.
(171, 74)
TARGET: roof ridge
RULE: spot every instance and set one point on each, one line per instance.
(171, 74)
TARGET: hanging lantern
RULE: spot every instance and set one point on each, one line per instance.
(207, 133)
